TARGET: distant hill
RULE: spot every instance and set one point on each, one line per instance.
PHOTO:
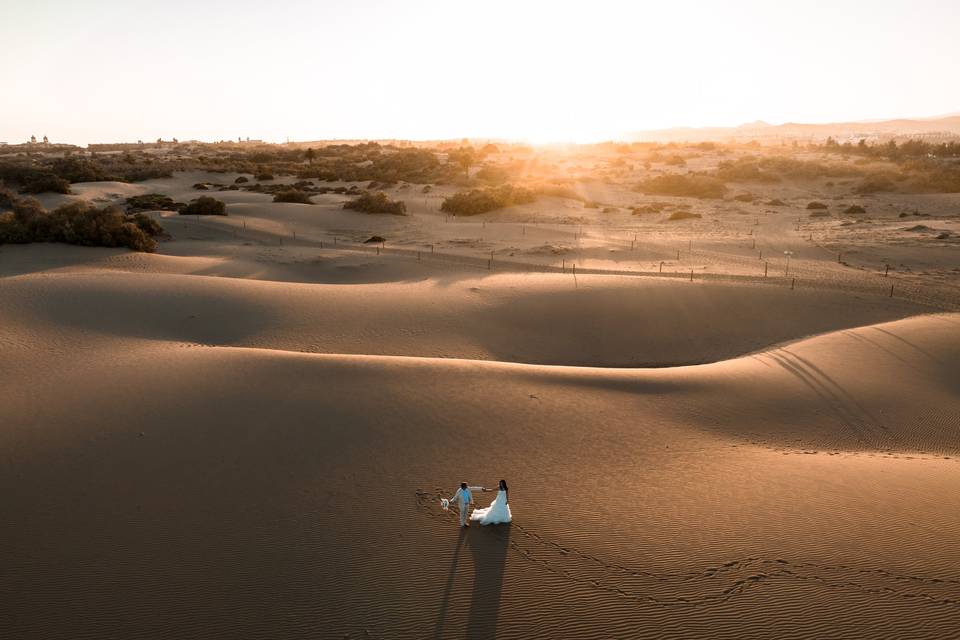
(942, 127)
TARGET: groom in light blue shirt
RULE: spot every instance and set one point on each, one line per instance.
(464, 499)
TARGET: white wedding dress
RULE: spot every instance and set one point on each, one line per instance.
(497, 513)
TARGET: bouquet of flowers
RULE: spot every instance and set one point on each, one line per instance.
(444, 504)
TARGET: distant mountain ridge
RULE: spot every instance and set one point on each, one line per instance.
(945, 127)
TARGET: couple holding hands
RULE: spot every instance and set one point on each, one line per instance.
(497, 513)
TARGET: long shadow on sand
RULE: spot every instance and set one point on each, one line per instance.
(488, 546)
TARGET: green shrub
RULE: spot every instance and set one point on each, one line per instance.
(943, 179)
(683, 215)
(492, 175)
(204, 206)
(7, 198)
(292, 195)
(377, 203)
(690, 185)
(150, 202)
(147, 224)
(45, 182)
(875, 184)
(79, 170)
(653, 207)
(477, 201)
(775, 168)
(78, 223)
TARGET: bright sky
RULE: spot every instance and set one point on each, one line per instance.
(118, 70)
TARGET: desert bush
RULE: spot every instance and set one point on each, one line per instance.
(263, 175)
(676, 161)
(150, 202)
(942, 179)
(816, 205)
(138, 174)
(377, 203)
(147, 224)
(241, 180)
(79, 170)
(204, 206)
(44, 182)
(492, 175)
(78, 223)
(819, 214)
(776, 202)
(743, 197)
(689, 185)
(875, 184)
(643, 209)
(854, 208)
(7, 198)
(477, 201)
(775, 168)
(292, 195)
(557, 191)
(683, 215)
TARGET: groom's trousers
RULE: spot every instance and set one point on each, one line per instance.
(464, 510)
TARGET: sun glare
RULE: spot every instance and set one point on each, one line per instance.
(537, 71)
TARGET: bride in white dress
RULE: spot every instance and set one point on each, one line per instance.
(499, 510)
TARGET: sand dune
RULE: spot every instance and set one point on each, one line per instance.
(292, 492)
(533, 318)
(247, 435)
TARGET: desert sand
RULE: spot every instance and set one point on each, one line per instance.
(247, 434)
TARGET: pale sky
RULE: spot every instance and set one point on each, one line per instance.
(117, 70)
